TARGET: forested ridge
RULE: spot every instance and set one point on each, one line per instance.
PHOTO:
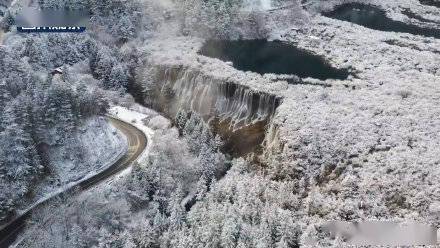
(188, 194)
(355, 149)
(41, 109)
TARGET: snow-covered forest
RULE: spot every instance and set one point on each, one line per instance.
(234, 158)
(43, 112)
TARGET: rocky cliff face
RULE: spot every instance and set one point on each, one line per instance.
(211, 97)
(237, 112)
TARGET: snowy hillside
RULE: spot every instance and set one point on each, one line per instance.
(91, 148)
(330, 113)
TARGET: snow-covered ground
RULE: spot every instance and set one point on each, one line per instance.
(258, 4)
(266, 4)
(136, 116)
(365, 148)
(97, 145)
(104, 144)
(100, 142)
(104, 139)
(142, 118)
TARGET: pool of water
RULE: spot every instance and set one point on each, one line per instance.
(264, 56)
(435, 3)
(413, 15)
(375, 18)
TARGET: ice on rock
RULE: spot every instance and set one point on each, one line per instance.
(215, 98)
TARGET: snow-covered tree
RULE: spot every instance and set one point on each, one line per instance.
(212, 18)
(124, 29)
(118, 78)
(19, 159)
(176, 210)
(101, 63)
(202, 188)
(230, 232)
(181, 118)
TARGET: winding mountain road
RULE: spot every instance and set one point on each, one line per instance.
(137, 142)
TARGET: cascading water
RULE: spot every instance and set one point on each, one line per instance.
(212, 98)
(235, 112)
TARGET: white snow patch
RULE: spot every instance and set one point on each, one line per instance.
(103, 145)
(159, 122)
(90, 150)
(266, 4)
(135, 118)
(257, 4)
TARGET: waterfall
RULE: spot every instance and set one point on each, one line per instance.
(213, 98)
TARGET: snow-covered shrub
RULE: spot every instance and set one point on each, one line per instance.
(212, 18)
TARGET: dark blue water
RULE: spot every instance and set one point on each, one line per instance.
(375, 18)
(413, 15)
(263, 56)
(435, 3)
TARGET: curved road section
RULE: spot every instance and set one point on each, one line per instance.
(137, 142)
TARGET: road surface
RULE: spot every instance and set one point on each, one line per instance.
(137, 142)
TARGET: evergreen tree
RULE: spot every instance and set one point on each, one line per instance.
(37, 101)
(207, 159)
(5, 95)
(118, 78)
(19, 158)
(202, 188)
(76, 234)
(218, 143)
(159, 220)
(102, 63)
(7, 21)
(66, 116)
(82, 100)
(65, 76)
(264, 236)
(35, 50)
(124, 29)
(176, 210)
(60, 108)
(229, 233)
(180, 119)
(51, 107)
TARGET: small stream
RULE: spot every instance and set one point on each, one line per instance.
(375, 18)
(276, 57)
